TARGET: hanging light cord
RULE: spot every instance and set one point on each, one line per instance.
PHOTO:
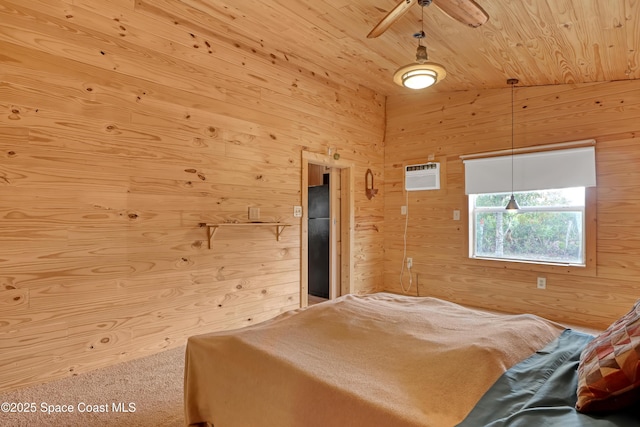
(421, 27)
(512, 206)
(512, 133)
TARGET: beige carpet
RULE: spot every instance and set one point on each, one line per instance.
(149, 388)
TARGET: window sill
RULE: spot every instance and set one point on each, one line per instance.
(588, 270)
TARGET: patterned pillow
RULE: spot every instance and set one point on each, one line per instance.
(609, 368)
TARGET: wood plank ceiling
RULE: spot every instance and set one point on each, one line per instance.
(540, 42)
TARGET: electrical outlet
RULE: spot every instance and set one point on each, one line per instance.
(409, 262)
(542, 283)
(403, 210)
(297, 211)
(456, 215)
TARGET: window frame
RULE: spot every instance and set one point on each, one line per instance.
(590, 267)
(581, 209)
(590, 239)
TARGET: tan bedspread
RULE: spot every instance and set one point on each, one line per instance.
(376, 360)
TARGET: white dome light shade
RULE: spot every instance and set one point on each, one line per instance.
(419, 76)
(419, 79)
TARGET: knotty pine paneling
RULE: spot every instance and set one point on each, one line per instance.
(123, 125)
(449, 125)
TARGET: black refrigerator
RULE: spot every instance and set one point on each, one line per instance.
(319, 226)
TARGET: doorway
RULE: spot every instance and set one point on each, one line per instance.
(322, 231)
(339, 176)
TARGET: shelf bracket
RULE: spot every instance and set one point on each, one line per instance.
(212, 228)
(279, 230)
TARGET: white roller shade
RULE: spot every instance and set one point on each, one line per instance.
(574, 167)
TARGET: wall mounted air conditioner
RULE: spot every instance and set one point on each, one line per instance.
(425, 176)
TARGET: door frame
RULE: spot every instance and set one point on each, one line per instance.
(346, 226)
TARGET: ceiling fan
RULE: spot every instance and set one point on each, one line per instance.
(466, 11)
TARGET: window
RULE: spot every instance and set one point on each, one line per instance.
(548, 228)
(554, 223)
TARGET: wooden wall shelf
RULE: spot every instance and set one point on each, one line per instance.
(212, 228)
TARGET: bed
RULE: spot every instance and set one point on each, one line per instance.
(390, 360)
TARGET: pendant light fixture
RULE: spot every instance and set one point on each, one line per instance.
(512, 206)
(422, 73)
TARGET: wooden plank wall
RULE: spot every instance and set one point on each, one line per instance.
(449, 125)
(123, 125)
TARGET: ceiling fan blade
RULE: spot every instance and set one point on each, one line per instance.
(395, 13)
(466, 11)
